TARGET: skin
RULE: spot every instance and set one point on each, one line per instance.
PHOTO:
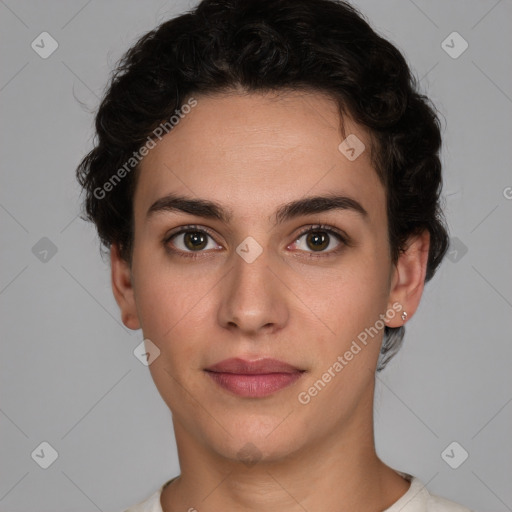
(251, 153)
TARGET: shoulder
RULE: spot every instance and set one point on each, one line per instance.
(416, 499)
(419, 499)
(151, 504)
(438, 504)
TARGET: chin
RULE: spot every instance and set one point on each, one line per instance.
(260, 450)
(253, 440)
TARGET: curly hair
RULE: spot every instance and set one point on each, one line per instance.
(271, 45)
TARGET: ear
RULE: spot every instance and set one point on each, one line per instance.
(123, 289)
(408, 278)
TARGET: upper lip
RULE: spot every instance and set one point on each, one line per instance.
(260, 366)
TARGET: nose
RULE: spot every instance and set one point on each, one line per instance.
(253, 300)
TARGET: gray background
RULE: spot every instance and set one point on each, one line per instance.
(67, 369)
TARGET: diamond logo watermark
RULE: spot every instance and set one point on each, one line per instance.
(352, 147)
(146, 352)
(44, 250)
(454, 45)
(44, 45)
(249, 455)
(457, 250)
(454, 455)
(44, 455)
(249, 249)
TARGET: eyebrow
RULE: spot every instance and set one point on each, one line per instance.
(213, 210)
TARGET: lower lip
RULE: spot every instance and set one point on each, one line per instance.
(255, 386)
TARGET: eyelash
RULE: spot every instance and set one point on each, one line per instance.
(342, 237)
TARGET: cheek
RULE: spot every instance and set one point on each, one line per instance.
(348, 299)
(174, 307)
(346, 347)
(162, 292)
(172, 315)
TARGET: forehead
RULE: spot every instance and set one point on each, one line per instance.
(255, 150)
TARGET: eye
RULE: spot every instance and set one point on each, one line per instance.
(320, 239)
(190, 239)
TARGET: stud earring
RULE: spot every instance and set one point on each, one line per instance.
(404, 316)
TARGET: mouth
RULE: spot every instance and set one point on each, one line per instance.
(254, 379)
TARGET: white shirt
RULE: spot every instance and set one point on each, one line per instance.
(416, 499)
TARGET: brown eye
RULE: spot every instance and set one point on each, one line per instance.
(319, 240)
(195, 240)
(190, 240)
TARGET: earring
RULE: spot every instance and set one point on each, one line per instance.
(404, 316)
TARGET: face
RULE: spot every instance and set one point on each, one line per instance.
(242, 276)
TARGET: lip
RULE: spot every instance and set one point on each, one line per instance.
(257, 367)
(254, 379)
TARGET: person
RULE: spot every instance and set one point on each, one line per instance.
(266, 180)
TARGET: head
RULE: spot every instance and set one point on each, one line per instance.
(249, 123)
